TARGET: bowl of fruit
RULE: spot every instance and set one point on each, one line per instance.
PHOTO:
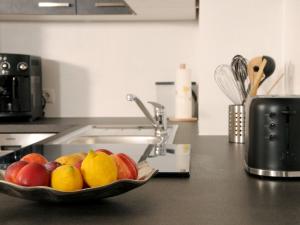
(76, 177)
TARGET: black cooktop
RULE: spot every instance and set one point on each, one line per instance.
(173, 160)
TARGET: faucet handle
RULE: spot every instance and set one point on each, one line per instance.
(157, 105)
(158, 108)
(159, 115)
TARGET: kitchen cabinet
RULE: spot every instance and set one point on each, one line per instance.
(38, 7)
(100, 7)
(165, 9)
(98, 10)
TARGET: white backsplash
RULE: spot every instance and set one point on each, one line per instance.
(92, 66)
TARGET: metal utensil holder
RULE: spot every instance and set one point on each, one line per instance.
(236, 124)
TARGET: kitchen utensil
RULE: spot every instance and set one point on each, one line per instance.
(48, 194)
(256, 69)
(275, 84)
(273, 141)
(226, 82)
(269, 69)
(236, 124)
(259, 69)
(239, 69)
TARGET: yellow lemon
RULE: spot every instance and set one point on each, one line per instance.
(99, 169)
(66, 178)
(81, 154)
(71, 159)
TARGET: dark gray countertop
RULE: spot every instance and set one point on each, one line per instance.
(218, 192)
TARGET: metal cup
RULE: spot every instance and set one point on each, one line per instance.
(236, 124)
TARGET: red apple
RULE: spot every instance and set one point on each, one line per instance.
(33, 174)
(78, 164)
(127, 168)
(50, 166)
(34, 157)
(104, 151)
(13, 170)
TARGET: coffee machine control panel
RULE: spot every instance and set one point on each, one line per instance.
(16, 64)
(23, 66)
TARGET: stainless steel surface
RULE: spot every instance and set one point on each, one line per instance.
(159, 117)
(236, 124)
(239, 69)
(117, 134)
(159, 121)
(227, 83)
(23, 66)
(157, 107)
(271, 173)
(54, 4)
(116, 139)
(13, 141)
(131, 97)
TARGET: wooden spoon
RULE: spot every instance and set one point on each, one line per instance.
(269, 69)
(253, 67)
(257, 75)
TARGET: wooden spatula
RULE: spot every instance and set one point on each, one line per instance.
(253, 68)
(256, 73)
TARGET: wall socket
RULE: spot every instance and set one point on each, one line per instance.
(49, 95)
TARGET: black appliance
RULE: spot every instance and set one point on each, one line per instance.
(273, 136)
(20, 87)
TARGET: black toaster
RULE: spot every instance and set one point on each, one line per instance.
(272, 139)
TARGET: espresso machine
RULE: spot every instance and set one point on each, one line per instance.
(20, 87)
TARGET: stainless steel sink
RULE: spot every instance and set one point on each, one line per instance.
(10, 142)
(97, 134)
(116, 139)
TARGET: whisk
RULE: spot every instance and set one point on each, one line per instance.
(227, 83)
(239, 69)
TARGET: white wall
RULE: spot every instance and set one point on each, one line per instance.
(291, 43)
(248, 27)
(92, 66)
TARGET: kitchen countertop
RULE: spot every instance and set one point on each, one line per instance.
(218, 191)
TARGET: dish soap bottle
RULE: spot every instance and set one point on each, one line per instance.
(183, 94)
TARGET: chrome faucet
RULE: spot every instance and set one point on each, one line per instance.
(159, 121)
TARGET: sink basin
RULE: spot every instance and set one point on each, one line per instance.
(115, 140)
(99, 134)
(14, 141)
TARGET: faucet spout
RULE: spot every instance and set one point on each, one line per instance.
(131, 97)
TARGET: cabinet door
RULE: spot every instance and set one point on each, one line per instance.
(38, 7)
(103, 7)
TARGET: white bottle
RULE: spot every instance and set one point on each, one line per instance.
(183, 94)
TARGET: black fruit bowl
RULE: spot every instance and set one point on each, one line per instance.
(48, 194)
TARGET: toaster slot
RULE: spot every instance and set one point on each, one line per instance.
(287, 113)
